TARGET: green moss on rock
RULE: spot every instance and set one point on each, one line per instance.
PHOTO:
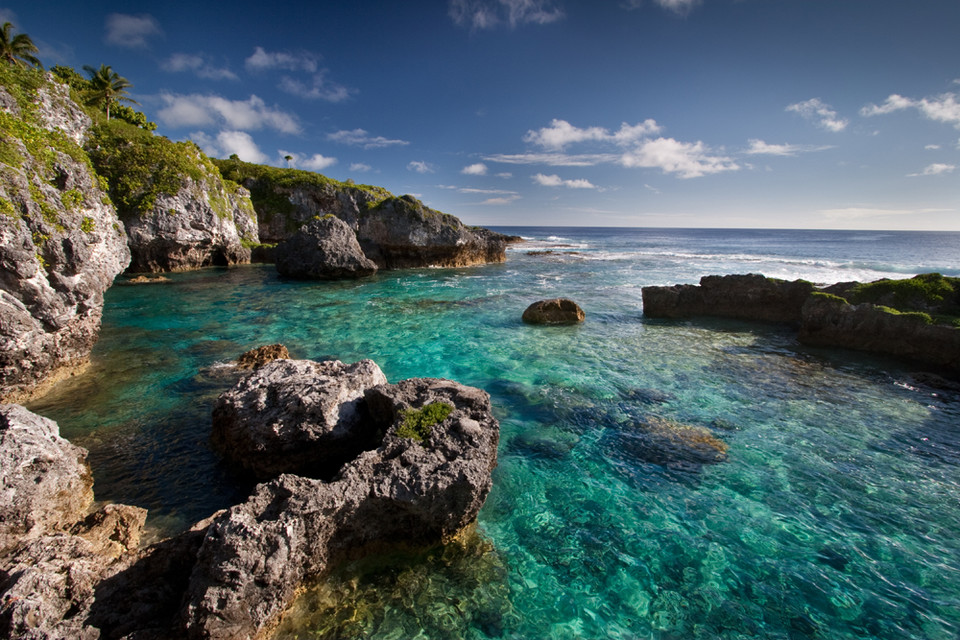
(417, 423)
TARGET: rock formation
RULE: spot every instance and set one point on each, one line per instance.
(403, 492)
(827, 317)
(324, 249)
(178, 211)
(297, 416)
(61, 243)
(745, 297)
(402, 233)
(556, 311)
(256, 358)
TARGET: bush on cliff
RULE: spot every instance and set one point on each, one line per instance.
(933, 294)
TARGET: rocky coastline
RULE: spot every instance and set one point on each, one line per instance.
(914, 319)
(419, 476)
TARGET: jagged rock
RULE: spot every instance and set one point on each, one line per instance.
(256, 556)
(745, 297)
(831, 321)
(113, 530)
(326, 249)
(402, 233)
(296, 416)
(141, 279)
(555, 311)
(46, 483)
(256, 358)
(61, 244)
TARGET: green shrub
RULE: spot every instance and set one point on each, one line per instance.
(88, 224)
(417, 423)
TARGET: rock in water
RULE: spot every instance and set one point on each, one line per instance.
(325, 249)
(256, 358)
(296, 416)
(406, 491)
(46, 483)
(556, 311)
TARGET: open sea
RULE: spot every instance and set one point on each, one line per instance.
(834, 512)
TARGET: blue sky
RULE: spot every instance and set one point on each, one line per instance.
(682, 113)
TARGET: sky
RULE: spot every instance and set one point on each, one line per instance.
(829, 114)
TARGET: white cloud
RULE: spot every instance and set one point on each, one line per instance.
(821, 113)
(942, 108)
(498, 192)
(686, 159)
(855, 213)
(932, 147)
(677, 6)
(230, 142)
(316, 162)
(124, 30)
(759, 147)
(935, 169)
(420, 167)
(360, 167)
(557, 181)
(487, 14)
(478, 169)
(360, 138)
(501, 201)
(561, 133)
(262, 60)
(199, 64)
(318, 89)
(196, 110)
(555, 159)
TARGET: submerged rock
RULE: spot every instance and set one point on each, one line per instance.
(324, 249)
(671, 444)
(296, 416)
(46, 483)
(406, 491)
(556, 311)
(256, 358)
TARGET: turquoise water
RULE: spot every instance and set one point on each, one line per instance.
(834, 513)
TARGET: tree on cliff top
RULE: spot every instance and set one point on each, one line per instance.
(19, 49)
(107, 87)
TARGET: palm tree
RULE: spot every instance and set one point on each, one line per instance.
(18, 49)
(107, 87)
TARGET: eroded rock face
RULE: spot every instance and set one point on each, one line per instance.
(556, 311)
(324, 249)
(61, 245)
(296, 416)
(402, 233)
(255, 557)
(745, 297)
(204, 224)
(46, 483)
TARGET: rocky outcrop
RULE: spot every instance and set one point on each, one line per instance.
(297, 416)
(402, 233)
(744, 297)
(395, 233)
(46, 483)
(831, 321)
(323, 249)
(836, 316)
(555, 311)
(179, 212)
(406, 491)
(61, 243)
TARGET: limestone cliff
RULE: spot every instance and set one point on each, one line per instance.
(61, 243)
(179, 213)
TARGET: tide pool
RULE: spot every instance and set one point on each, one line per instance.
(835, 514)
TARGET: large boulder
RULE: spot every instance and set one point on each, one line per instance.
(555, 311)
(296, 416)
(744, 297)
(61, 243)
(423, 483)
(324, 249)
(46, 483)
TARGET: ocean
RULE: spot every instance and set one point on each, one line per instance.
(833, 511)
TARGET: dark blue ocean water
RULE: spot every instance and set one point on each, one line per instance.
(835, 513)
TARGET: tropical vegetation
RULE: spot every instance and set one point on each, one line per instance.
(107, 87)
(17, 49)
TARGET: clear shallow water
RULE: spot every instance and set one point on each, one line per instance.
(836, 513)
